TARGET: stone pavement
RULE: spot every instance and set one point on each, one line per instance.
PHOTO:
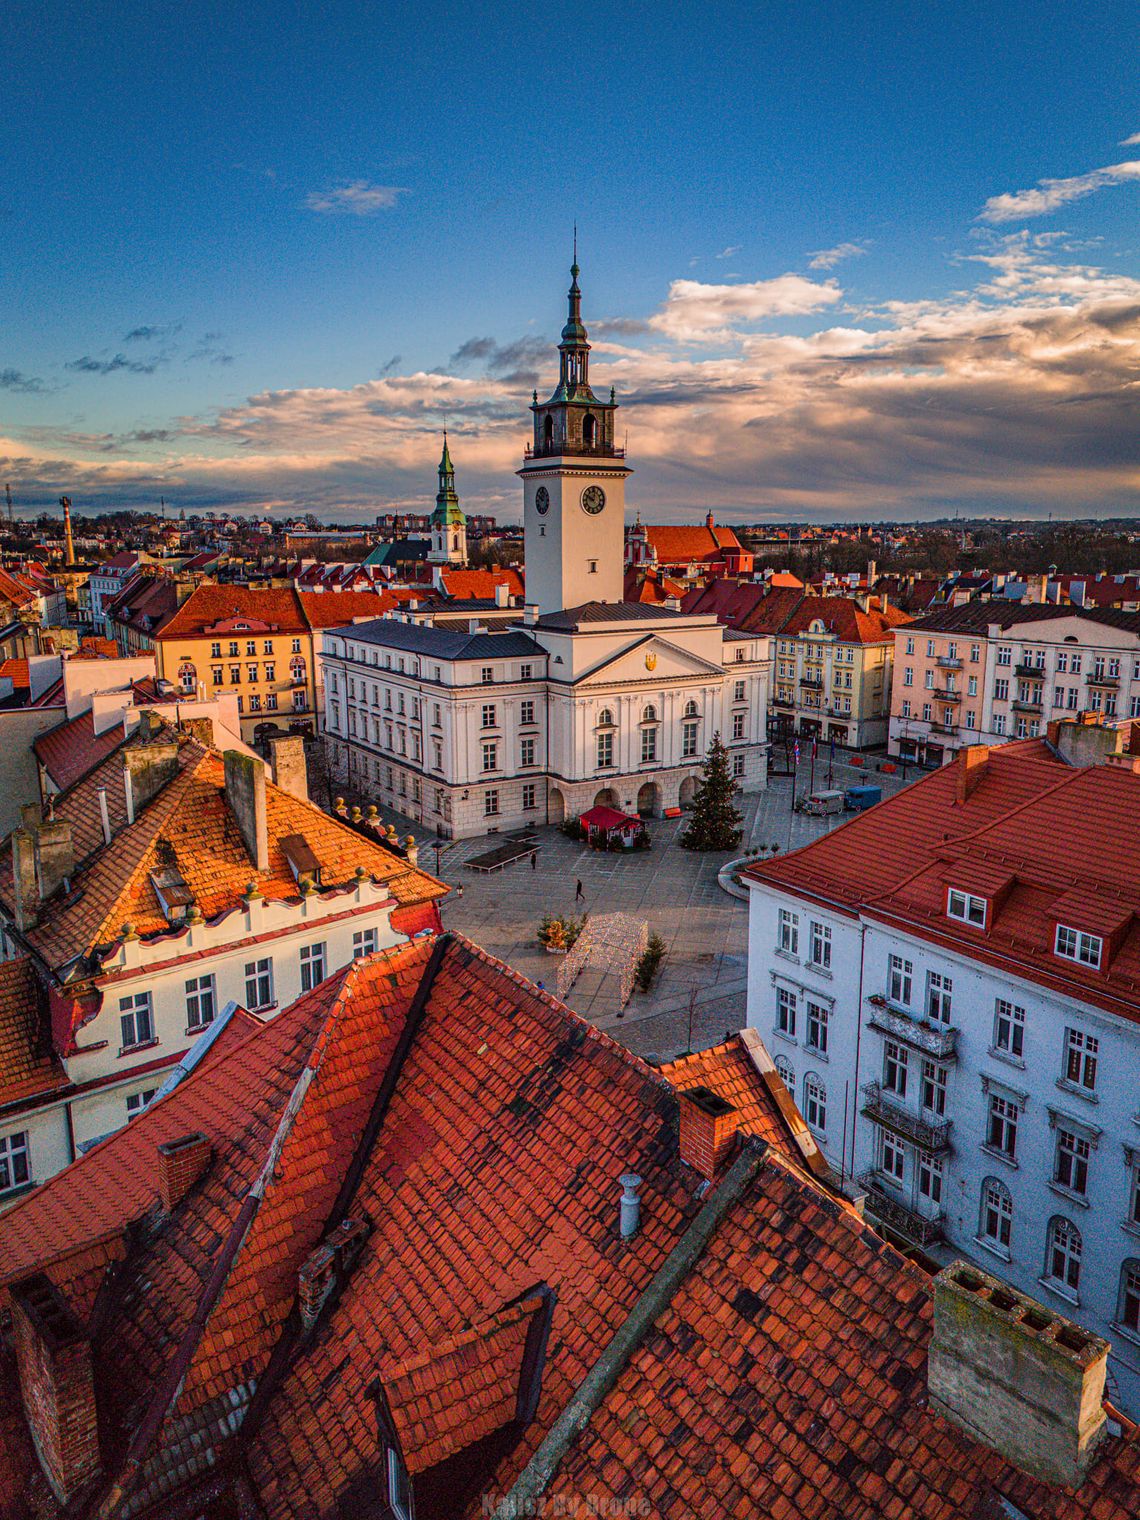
(704, 928)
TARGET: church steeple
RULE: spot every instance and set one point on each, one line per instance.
(574, 421)
(446, 493)
(448, 524)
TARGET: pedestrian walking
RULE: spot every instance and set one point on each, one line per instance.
(534, 860)
(579, 895)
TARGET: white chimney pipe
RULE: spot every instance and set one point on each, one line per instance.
(104, 815)
(630, 1204)
(129, 794)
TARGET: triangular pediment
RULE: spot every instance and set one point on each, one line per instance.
(650, 658)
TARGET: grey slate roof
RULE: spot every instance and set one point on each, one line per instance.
(976, 617)
(571, 618)
(443, 643)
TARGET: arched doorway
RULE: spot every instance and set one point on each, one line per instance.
(557, 806)
(607, 797)
(589, 430)
(649, 800)
(688, 791)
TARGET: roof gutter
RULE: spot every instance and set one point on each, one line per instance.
(525, 1496)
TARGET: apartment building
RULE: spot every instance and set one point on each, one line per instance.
(950, 986)
(986, 672)
(259, 646)
(168, 883)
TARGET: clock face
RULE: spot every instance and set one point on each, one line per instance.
(593, 500)
(542, 500)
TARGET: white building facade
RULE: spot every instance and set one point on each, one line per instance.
(985, 1111)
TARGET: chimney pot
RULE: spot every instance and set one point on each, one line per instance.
(104, 815)
(180, 1164)
(630, 1204)
(1024, 1381)
(708, 1130)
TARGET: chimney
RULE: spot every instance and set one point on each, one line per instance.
(104, 815)
(708, 1130)
(54, 1359)
(24, 878)
(180, 1163)
(709, 521)
(245, 793)
(872, 572)
(970, 769)
(147, 767)
(630, 1205)
(327, 1266)
(502, 594)
(1024, 1381)
(530, 613)
(1086, 740)
(55, 856)
(183, 590)
(287, 758)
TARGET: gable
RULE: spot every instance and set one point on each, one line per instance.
(650, 659)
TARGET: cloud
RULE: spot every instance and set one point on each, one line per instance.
(209, 350)
(518, 363)
(356, 197)
(698, 313)
(1051, 194)
(20, 384)
(91, 366)
(1130, 142)
(728, 253)
(152, 333)
(827, 258)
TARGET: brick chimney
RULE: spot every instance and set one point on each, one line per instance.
(55, 856)
(245, 793)
(54, 1359)
(180, 1164)
(327, 1266)
(25, 892)
(287, 759)
(708, 1130)
(1015, 1376)
(970, 769)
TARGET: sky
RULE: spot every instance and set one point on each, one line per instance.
(840, 261)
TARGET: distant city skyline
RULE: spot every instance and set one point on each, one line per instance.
(885, 269)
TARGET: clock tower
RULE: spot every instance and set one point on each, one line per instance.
(573, 484)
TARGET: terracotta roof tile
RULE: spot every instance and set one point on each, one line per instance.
(27, 1064)
(68, 752)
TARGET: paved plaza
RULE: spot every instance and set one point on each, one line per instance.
(704, 928)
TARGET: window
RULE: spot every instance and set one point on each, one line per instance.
(1001, 1131)
(688, 741)
(488, 715)
(1075, 664)
(526, 752)
(927, 712)
(1004, 655)
(815, 1102)
(789, 940)
(255, 703)
(1081, 1051)
(786, 1072)
(649, 714)
(605, 750)
(491, 804)
(215, 650)
(934, 1079)
(216, 674)
(901, 975)
(591, 567)
(296, 646)
(312, 966)
(529, 797)
(737, 766)
(526, 712)
(1063, 1254)
(939, 989)
(251, 672)
(995, 1225)
(399, 1488)
(138, 1101)
(817, 1028)
(15, 1171)
(259, 983)
(267, 646)
(648, 745)
(1009, 1028)
(738, 725)
(136, 1020)
(363, 943)
(930, 1178)
(821, 945)
(1001, 690)
(928, 680)
(966, 907)
(188, 677)
(200, 1002)
(895, 1059)
(972, 686)
(233, 647)
(235, 675)
(786, 1011)
(910, 646)
(1071, 1162)
(1074, 945)
(738, 691)
(487, 675)
(271, 701)
(605, 718)
(490, 756)
(893, 1163)
(1128, 1310)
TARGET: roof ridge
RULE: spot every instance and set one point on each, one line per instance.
(501, 1319)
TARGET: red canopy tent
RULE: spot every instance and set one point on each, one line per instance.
(609, 822)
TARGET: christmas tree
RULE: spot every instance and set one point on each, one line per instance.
(715, 822)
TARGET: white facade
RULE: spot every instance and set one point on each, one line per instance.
(986, 1115)
(573, 547)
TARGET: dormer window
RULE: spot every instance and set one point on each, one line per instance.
(1075, 945)
(966, 908)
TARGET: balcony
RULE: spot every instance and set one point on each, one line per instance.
(938, 727)
(937, 1040)
(948, 662)
(946, 694)
(1023, 704)
(928, 1134)
(814, 683)
(557, 449)
(783, 702)
(1102, 680)
(892, 1211)
(1029, 672)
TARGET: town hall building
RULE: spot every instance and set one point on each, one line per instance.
(584, 698)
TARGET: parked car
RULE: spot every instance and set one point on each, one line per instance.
(820, 804)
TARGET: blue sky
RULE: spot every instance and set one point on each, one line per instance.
(839, 261)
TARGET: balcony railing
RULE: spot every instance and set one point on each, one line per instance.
(946, 694)
(923, 1231)
(937, 1040)
(948, 662)
(1103, 680)
(938, 727)
(1029, 672)
(1024, 704)
(928, 1134)
(783, 702)
(556, 449)
(812, 682)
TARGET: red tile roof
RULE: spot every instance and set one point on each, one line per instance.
(68, 752)
(476, 1130)
(278, 609)
(462, 585)
(27, 1065)
(686, 545)
(789, 610)
(333, 609)
(1019, 822)
(16, 672)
